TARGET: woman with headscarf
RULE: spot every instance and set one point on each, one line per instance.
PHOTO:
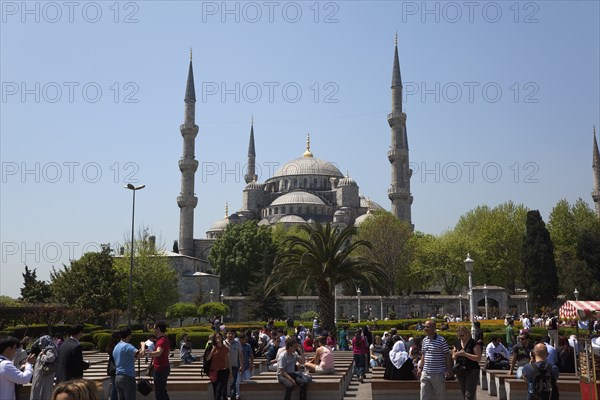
(45, 368)
(400, 366)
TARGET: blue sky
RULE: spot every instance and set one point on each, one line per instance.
(501, 98)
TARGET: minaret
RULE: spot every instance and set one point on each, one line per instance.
(251, 175)
(399, 192)
(188, 165)
(596, 173)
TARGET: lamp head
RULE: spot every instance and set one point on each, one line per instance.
(469, 263)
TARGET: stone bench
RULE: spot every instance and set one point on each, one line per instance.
(569, 389)
(410, 390)
(326, 387)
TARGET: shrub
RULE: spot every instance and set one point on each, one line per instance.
(87, 346)
(309, 315)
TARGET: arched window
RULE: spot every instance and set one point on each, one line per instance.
(283, 209)
(270, 211)
(295, 183)
(285, 184)
(315, 183)
(306, 183)
(276, 210)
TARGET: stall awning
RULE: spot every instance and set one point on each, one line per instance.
(579, 309)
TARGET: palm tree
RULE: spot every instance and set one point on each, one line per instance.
(326, 259)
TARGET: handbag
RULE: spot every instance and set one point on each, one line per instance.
(143, 386)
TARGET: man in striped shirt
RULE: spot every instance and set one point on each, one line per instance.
(435, 364)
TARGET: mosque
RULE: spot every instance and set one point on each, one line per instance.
(302, 190)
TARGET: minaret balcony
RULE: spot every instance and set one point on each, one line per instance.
(395, 154)
(188, 164)
(187, 129)
(396, 116)
(185, 201)
(596, 196)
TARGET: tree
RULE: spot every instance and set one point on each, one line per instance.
(238, 256)
(391, 246)
(539, 269)
(154, 281)
(90, 282)
(575, 233)
(182, 311)
(327, 258)
(494, 237)
(212, 309)
(34, 290)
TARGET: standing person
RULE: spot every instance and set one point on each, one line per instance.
(566, 357)
(435, 364)
(510, 335)
(467, 354)
(125, 355)
(45, 368)
(236, 362)
(248, 359)
(160, 361)
(70, 357)
(286, 371)
(360, 351)
(218, 356)
(150, 345)
(540, 366)
(9, 374)
(21, 356)
(344, 338)
(111, 368)
(521, 354)
(552, 326)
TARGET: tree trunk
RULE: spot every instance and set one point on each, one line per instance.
(326, 307)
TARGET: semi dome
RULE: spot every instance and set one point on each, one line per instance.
(219, 225)
(359, 220)
(291, 219)
(308, 166)
(297, 198)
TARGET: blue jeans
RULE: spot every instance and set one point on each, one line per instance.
(126, 387)
(160, 384)
(234, 388)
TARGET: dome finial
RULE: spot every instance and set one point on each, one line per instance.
(307, 153)
(190, 53)
(396, 38)
(226, 210)
(347, 174)
(251, 119)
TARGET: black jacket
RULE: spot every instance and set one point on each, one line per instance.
(70, 361)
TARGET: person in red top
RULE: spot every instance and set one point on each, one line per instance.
(309, 344)
(160, 361)
(218, 355)
(360, 351)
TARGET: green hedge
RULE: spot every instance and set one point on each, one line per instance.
(87, 346)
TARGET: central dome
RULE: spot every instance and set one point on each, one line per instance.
(297, 198)
(308, 166)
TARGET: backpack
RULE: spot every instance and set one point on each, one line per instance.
(543, 386)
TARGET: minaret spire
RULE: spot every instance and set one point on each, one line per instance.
(399, 192)
(596, 174)
(307, 153)
(251, 175)
(188, 165)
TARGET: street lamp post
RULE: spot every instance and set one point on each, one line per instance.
(211, 295)
(358, 297)
(485, 293)
(335, 306)
(576, 293)
(130, 296)
(469, 266)
(460, 305)
(381, 306)
(222, 302)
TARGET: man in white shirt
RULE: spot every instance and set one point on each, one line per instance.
(497, 356)
(526, 322)
(9, 374)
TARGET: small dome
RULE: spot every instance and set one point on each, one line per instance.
(254, 186)
(369, 204)
(297, 198)
(263, 222)
(219, 225)
(291, 219)
(340, 212)
(347, 181)
(359, 220)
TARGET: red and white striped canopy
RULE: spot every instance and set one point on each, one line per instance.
(579, 310)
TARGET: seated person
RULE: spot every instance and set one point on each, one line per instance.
(400, 366)
(521, 355)
(308, 344)
(271, 354)
(185, 350)
(322, 362)
(496, 355)
(375, 352)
